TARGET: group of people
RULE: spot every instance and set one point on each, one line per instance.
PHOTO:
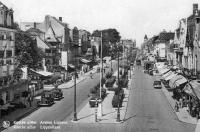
(184, 100)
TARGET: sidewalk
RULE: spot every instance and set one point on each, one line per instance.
(18, 114)
(198, 127)
(182, 114)
(87, 114)
(81, 78)
(70, 83)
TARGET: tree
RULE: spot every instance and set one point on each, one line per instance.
(108, 36)
(26, 50)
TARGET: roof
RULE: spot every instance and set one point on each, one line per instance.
(34, 30)
(3, 6)
(196, 87)
(166, 36)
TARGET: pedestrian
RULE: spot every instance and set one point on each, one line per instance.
(180, 102)
(104, 70)
(30, 101)
(176, 106)
(91, 75)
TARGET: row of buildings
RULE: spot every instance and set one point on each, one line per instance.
(63, 47)
(181, 47)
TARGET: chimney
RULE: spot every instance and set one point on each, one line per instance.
(60, 19)
(195, 8)
(34, 24)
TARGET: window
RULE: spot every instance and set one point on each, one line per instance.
(9, 53)
(9, 62)
(4, 36)
(1, 37)
(1, 54)
(1, 62)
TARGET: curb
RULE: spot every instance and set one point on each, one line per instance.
(20, 117)
(73, 85)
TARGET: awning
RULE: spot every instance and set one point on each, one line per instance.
(180, 81)
(162, 71)
(70, 68)
(167, 74)
(189, 90)
(196, 87)
(85, 61)
(42, 73)
(173, 80)
(170, 76)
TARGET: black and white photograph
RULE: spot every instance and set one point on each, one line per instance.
(99, 66)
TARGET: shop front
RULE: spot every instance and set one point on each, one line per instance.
(192, 93)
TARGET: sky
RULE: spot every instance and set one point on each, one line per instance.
(132, 18)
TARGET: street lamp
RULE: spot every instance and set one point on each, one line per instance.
(101, 76)
(75, 114)
(118, 110)
(111, 58)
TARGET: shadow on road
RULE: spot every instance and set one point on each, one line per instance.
(129, 118)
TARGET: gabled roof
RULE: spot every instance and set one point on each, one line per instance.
(3, 6)
(166, 36)
(34, 31)
(63, 24)
(46, 44)
(50, 35)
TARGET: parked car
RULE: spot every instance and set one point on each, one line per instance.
(46, 99)
(57, 94)
(157, 84)
(94, 101)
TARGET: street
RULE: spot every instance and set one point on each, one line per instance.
(63, 108)
(148, 110)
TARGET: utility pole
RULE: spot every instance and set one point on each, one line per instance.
(101, 76)
(118, 110)
(75, 114)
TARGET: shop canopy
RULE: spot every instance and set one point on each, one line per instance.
(162, 71)
(170, 76)
(177, 81)
(180, 81)
(70, 68)
(167, 74)
(196, 87)
(85, 61)
(42, 73)
(189, 90)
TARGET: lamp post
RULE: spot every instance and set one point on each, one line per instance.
(111, 59)
(75, 114)
(118, 110)
(101, 76)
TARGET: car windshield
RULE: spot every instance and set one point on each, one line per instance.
(157, 83)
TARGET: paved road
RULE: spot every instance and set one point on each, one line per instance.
(63, 108)
(148, 111)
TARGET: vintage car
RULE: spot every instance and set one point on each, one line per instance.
(57, 93)
(157, 84)
(94, 101)
(46, 99)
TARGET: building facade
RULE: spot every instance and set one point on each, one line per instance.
(7, 53)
